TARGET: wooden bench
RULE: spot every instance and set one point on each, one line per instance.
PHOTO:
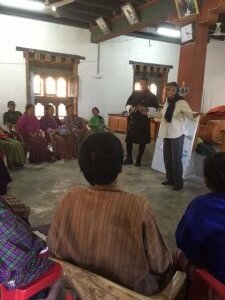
(94, 287)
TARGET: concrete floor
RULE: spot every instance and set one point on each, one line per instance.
(42, 187)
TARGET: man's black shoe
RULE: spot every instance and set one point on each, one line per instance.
(128, 162)
(167, 183)
(137, 164)
(177, 187)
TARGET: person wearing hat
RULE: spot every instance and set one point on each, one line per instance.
(11, 116)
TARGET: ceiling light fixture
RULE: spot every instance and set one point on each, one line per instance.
(23, 4)
(173, 33)
(103, 25)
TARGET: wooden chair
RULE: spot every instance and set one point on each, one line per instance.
(94, 287)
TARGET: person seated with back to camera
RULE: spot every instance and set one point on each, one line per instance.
(201, 231)
(20, 251)
(108, 231)
(76, 125)
(51, 125)
(96, 123)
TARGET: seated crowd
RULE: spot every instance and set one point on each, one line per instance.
(47, 139)
(103, 229)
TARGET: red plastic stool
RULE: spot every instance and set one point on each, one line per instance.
(33, 288)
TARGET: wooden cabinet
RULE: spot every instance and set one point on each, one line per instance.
(118, 123)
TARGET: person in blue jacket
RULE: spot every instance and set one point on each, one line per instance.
(201, 231)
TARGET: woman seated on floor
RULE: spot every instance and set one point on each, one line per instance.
(96, 123)
(28, 126)
(201, 231)
(20, 251)
(76, 126)
(13, 149)
(54, 130)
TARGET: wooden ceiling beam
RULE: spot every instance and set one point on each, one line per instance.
(74, 15)
(152, 13)
(109, 5)
(44, 17)
(90, 10)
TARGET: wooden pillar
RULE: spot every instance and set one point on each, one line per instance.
(76, 86)
(192, 66)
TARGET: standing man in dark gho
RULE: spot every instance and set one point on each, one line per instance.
(138, 128)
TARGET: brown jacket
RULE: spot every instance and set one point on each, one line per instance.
(113, 234)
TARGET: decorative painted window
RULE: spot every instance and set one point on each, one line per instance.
(39, 110)
(137, 86)
(50, 86)
(38, 85)
(61, 87)
(153, 88)
(61, 110)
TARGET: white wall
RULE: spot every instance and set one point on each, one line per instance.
(109, 93)
(214, 82)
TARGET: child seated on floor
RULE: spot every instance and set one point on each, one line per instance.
(20, 260)
(96, 123)
(105, 230)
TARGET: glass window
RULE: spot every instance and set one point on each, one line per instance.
(39, 110)
(38, 85)
(62, 110)
(50, 86)
(61, 87)
(137, 86)
(153, 88)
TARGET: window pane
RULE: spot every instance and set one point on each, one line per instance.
(50, 86)
(39, 110)
(61, 87)
(153, 88)
(37, 84)
(62, 110)
(137, 86)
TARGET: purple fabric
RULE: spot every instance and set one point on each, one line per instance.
(19, 260)
(27, 124)
(50, 122)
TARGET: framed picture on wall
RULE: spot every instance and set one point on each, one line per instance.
(186, 8)
(130, 13)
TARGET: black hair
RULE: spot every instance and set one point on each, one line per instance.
(143, 78)
(173, 84)
(95, 109)
(101, 158)
(28, 106)
(214, 172)
(48, 106)
(11, 103)
(68, 106)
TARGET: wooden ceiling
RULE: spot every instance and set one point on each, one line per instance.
(80, 13)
